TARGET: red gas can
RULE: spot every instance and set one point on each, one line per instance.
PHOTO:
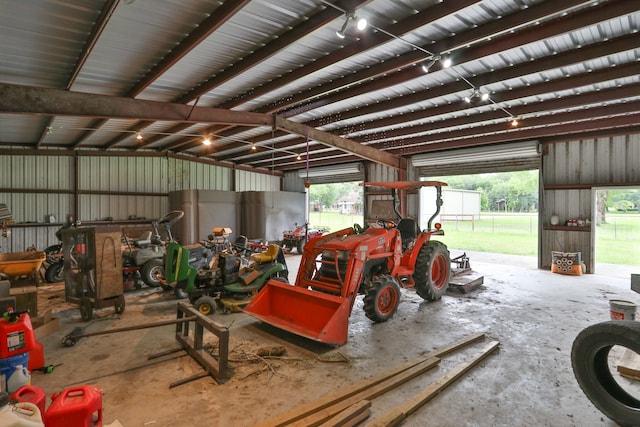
(16, 337)
(75, 406)
(32, 394)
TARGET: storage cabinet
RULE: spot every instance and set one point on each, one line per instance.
(93, 269)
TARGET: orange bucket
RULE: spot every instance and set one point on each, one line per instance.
(311, 314)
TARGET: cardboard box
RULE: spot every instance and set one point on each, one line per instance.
(26, 298)
(249, 277)
(45, 324)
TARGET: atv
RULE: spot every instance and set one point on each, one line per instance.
(229, 281)
(299, 236)
(375, 261)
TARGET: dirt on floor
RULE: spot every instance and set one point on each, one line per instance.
(534, 314)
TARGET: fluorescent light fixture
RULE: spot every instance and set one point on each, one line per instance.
(344, 169)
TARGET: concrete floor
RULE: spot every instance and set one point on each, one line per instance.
(535, 315)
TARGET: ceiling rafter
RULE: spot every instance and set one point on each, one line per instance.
(622, 44)
(550, 29)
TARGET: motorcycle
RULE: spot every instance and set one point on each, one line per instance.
(54, 261)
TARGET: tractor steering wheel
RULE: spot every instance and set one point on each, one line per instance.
(357, 228)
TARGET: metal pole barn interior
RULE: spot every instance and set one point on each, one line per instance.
(118, 111)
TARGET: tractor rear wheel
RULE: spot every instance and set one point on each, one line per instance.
(381, 298)
(432, 271)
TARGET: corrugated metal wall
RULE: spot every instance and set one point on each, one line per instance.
(118, 188)
(251, 181)
(571, 171)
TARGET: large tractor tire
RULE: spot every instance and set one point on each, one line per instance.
(590, 362)
(432, 271)
(54, 273)
(152, 271)
(381, 298)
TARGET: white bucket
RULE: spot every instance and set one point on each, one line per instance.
(622, 310)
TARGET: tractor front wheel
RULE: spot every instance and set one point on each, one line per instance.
(153, 272)
(205, 305)
(381, 298)
(432, 271)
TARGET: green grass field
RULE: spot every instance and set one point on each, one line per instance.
(617, 241)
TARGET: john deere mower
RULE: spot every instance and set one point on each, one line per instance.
(229, 282)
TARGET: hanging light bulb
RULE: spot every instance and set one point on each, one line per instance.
(484, 96)
(426, 66)
(253, 147)
(446, 62)
(341, 32)
(514, 122)
(299, 157)
(139, 136)
(362, 24)
(206, 140)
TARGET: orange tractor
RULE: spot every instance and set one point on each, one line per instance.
(375, 262)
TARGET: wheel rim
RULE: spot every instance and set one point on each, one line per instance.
(387, 300)
(157, 273)
(204, 309)
(439, 272)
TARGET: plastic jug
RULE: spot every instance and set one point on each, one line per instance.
(21, 376)
(31, 394)
(75, 406)
(22, 414)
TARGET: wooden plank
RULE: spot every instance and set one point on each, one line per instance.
(399, 413)
(350, 416)
(338, 395)
(318, 417)
(629, 364)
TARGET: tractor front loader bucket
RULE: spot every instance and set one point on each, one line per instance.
(315, 315)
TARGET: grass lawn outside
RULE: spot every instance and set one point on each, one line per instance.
(617, 241)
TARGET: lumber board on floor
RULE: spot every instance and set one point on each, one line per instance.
(318, 417)
(351, 416)
(345, 392)
(629, 364)
(394, 416)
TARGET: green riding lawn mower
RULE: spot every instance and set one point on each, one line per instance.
(228, 281)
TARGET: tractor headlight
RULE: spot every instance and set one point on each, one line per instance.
(340, 255)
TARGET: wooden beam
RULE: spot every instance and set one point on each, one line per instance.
(317, 418)
(339, 395)
(351, 416)
(360, 150)
(399, 413)
(58, 102)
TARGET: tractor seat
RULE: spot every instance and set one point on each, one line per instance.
(408, 231)
(269, 255)
(143, 240)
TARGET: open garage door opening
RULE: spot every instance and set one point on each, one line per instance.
(336, 206)
(617, 228)
(491, 212)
